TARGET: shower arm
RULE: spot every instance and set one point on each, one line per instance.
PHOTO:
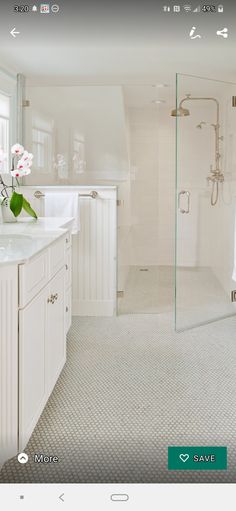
(217, 127)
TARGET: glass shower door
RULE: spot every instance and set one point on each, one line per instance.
(205, 258)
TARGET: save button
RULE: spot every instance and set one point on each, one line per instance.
(197, 458)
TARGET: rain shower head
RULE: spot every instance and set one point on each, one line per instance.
(180, 112)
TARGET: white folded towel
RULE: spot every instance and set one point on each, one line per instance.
(63, 204)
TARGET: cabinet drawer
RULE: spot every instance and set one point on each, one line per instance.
(33, 277)
(57, 256)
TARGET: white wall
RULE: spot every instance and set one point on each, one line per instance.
(152, 186)
(144, 182)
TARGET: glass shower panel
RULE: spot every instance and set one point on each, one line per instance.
(205, 266)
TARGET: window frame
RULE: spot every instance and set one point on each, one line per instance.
(8, 88)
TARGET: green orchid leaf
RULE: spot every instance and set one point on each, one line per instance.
(16, 203)
(27, 207)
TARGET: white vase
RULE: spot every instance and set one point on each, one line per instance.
(7, 215)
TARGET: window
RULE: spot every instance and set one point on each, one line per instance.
(5, 129)
(79, 163)
(42, 139)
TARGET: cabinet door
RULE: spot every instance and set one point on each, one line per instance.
(56, 338)
(32, 383)
(68, 309)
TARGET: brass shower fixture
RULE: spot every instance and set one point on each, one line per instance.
(216, 176)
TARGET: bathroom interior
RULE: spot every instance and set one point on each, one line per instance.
(153, 260)
(123, 136)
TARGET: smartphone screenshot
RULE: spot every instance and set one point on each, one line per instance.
(117, 255)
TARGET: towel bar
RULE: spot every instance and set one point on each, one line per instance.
(92, 194)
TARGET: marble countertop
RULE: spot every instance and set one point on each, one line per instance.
(23, 239)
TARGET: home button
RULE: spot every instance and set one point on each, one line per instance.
(119, 497)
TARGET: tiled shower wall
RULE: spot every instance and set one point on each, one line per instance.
(152, 186)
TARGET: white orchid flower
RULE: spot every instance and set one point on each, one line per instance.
(17, 149)
(24, 163)
(23, 171)
(26, 171)
(27, 156)
(16, 173)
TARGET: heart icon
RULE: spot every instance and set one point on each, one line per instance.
(184, 457)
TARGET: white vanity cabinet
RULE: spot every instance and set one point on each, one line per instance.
(55, 351)
(32, 381)
(35, 348)
(68, 282)
(42, 352)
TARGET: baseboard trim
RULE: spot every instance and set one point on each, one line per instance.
(93, 308)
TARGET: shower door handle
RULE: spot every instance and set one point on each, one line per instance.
(184, 192)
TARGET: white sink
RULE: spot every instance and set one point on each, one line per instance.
(21, 240)
(13, 241)
(15, 247)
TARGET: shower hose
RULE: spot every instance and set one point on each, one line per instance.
(214, 193)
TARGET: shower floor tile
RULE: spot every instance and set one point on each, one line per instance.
(149, 289)
(200, 295)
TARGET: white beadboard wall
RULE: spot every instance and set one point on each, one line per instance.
(8, 362)
(94, 249)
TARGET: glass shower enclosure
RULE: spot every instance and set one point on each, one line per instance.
(205, 256)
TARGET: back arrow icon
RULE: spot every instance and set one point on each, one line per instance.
(14, 32)
(61, 497)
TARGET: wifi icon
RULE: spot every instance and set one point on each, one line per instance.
(187, 8)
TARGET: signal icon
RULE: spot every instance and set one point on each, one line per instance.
(198, 9)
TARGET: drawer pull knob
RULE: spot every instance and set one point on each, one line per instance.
(66, 266)
(67, 240)
(53, 298)
(67, 309)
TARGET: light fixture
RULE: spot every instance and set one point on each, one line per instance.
(158, 101)
(160, 85)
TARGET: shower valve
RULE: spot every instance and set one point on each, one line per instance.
(215, 177)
